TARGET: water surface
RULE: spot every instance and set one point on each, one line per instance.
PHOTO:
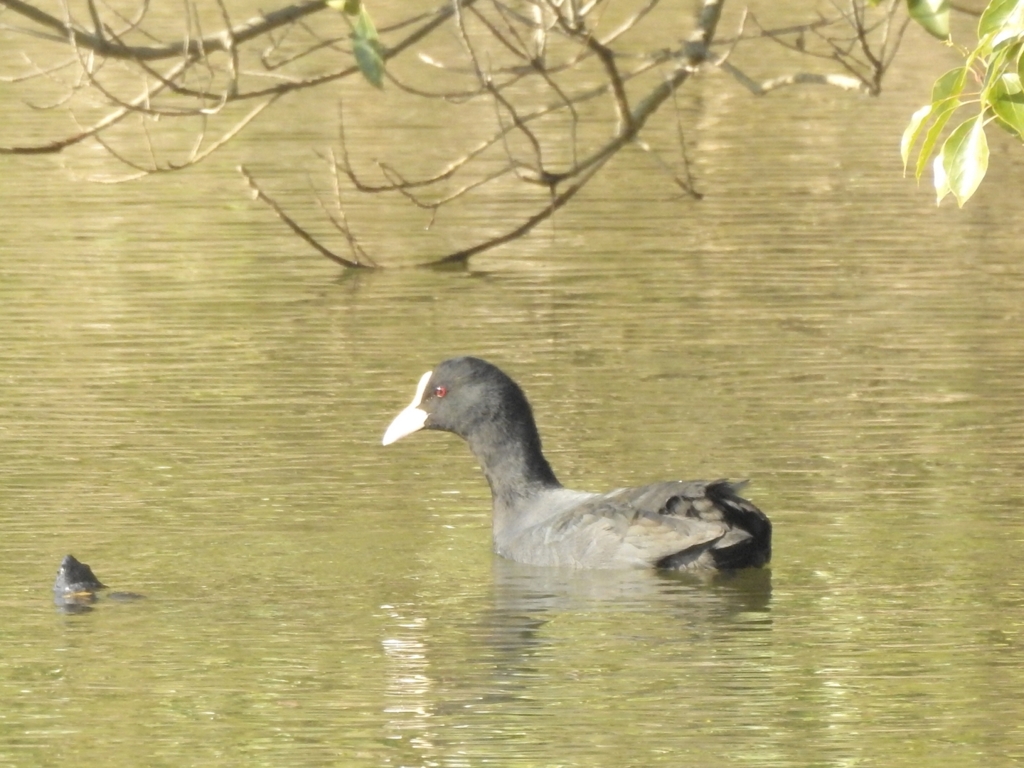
(192, 402)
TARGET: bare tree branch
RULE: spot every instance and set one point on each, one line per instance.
(294, 226)
(545, 69)
(192, 48)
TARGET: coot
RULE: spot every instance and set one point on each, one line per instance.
(677, 525)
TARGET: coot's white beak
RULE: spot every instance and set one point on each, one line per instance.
(412, 418)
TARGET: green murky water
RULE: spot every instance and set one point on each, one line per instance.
(192, 402)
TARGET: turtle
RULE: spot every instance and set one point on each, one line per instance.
(76, 587)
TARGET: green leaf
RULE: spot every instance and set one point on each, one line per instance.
(933, 15)
(949, 85)
(945, 102)
(350, 7)
(364, 27)
(1002, 17)
(368, 49)
(370, 62)
(1006, 98)
(941, 118)
(917, 121)
(996, 62)
(941, 180)
(964, 159)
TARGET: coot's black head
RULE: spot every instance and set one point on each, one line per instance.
(464, 395)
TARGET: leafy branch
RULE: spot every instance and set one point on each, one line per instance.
(990, 84)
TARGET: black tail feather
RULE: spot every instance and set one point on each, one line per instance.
(740, 513)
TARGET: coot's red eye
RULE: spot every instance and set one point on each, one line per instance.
(440, 391)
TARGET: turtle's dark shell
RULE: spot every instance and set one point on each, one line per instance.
(76, 586)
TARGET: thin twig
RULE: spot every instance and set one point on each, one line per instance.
(259, 194)
(557, 202)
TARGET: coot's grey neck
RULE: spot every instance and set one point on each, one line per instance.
(510, 456)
